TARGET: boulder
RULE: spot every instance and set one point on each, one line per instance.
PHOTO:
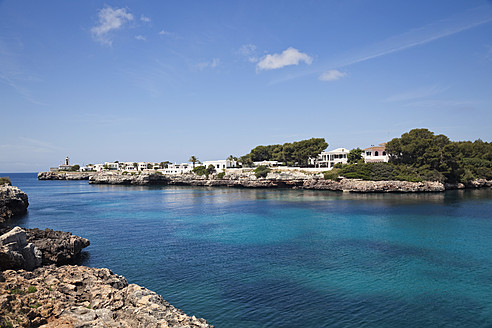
(13, 202)
(16, 252)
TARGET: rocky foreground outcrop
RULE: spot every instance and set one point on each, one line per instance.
(78, 296)
(31, 248)
(13, 202)
(65, 175)
(295, 180)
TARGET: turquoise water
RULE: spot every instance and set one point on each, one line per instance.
(286, 258)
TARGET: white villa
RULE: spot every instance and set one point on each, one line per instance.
(375, 154)
(221, 164)
(328, 159)
(177, 168)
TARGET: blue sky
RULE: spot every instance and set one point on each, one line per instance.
(164, 80)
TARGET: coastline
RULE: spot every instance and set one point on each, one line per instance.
(40, 287)
(292, 179)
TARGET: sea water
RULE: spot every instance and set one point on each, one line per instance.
(285, 258)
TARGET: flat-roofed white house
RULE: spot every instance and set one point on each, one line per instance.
(177, 168)
(112, 166)
(376, 154)
(221, 164)
(328, 159)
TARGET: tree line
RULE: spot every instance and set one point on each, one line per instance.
(291, 153)
(421, 155)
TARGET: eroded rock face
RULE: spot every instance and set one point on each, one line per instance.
(16, 252)
(65, 175)
(78, 296)
(296, 180)
(57, 247)
(13, 202)
(30, 248)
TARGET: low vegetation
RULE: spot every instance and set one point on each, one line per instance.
(262, 171)
(5, 180)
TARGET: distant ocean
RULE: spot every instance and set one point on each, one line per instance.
(286, 258)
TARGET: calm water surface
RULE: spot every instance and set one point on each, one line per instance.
(286, 258)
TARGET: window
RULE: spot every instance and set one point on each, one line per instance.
(384, 153)
(368, 153)
(376, 153)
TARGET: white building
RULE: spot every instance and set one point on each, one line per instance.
(266, 163)
(375, 154)
(221, 164)
(328, 159)
(111, 166)
(177, 168)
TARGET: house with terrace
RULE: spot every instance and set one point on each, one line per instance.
(330, 158)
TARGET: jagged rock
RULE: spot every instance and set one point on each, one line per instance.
(16, 252)
(57, 247)
(78, 296)
(292, 179)
(12, 202)
(30, 248)
(65, 175)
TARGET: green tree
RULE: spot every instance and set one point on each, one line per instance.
(194, 160)
(354, 156)
(76, 167)
(200, 170)
(211, 169)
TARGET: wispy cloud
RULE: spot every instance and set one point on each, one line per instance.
(332, 75)
(248, 51)
(141, 38)
(410, 39)
(423, 35)
(208, 64)
(14, 74)
(289, 56)
(143, 18)
(110, 20)
(423, 92)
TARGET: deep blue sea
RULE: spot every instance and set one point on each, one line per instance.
(285, 258)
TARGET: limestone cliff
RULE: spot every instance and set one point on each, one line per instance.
(295, 180)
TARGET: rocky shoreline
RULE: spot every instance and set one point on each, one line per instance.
(65, 175)
(13, 202)
(38, 287)
(281, 179)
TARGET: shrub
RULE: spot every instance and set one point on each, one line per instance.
(221, 175)
(262, 171)
(200, 170)
(5, 180)
(210, 169)
(331, 175)
(32, 289)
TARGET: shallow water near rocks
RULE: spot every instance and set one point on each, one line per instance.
(285, 258)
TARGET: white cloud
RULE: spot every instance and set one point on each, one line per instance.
(332, 75)
(141, 38)
(143, 18)
(289, 56)
(110, 20)
(212, 64)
